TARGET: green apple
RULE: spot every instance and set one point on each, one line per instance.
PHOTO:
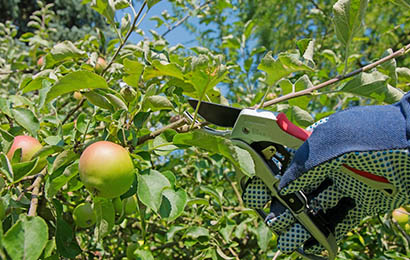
(128, 93)
(84, 215)
(106, 169)
(401, 216)
(130, 205)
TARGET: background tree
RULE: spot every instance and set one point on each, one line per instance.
(71, 20)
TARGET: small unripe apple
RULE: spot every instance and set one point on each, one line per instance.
(401, 216)
(270, 96)
(128, 94)
(29, 146)
(77, 95)
(407, 228)
(84, 215)
(100, 65)
(106, 169)
(130, 205)
(40, 61)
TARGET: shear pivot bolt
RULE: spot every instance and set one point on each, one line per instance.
(291, 200)
(245, 130)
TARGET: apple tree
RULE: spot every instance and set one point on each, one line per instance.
(98, 161)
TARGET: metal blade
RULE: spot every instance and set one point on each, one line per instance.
(216, 114)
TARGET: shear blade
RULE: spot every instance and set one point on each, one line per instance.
(216, 114)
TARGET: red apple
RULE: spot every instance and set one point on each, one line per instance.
(401, 216)
(100, 65)
(29, 146)
(40, 61)
(106, 169)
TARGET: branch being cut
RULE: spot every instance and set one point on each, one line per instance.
(309, 91)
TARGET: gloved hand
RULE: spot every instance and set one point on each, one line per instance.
(354, 165)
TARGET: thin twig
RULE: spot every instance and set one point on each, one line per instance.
(9, 120)
(309, 91)
(184, 19)
(317, 6)
(155, 133)
(34, 195)
(73, 111)
(277, 254)
(235, 189)
(133, 26)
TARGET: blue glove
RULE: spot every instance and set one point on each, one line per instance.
(354, 165)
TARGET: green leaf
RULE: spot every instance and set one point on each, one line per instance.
(389, 68)
(402, 3)
(76, 81)
(116, 102)
(66, 242)
(26, 239)
(348, 18)
(98, 100)
(205, 73)
(6, 167)
(23, 169)
(373, 85)
(106, 8)
(284, 65)
(133, 70)
(159, 103)
(140, 118)
(26, 119)
(151, 3)
(173, 203)
(263, 235)
(105, 212)
(296, 115)
(140, 254)
(286, 86)
(57, 183)
(301, 84)
(35, 84)
(150, 187)
(196, 232)
(121, 4)
(403, 74)
(67, 50)
(5, 106)
(237, 156)
(161, 68)
(63, 159)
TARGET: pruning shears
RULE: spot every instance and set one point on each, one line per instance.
(266, 135)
